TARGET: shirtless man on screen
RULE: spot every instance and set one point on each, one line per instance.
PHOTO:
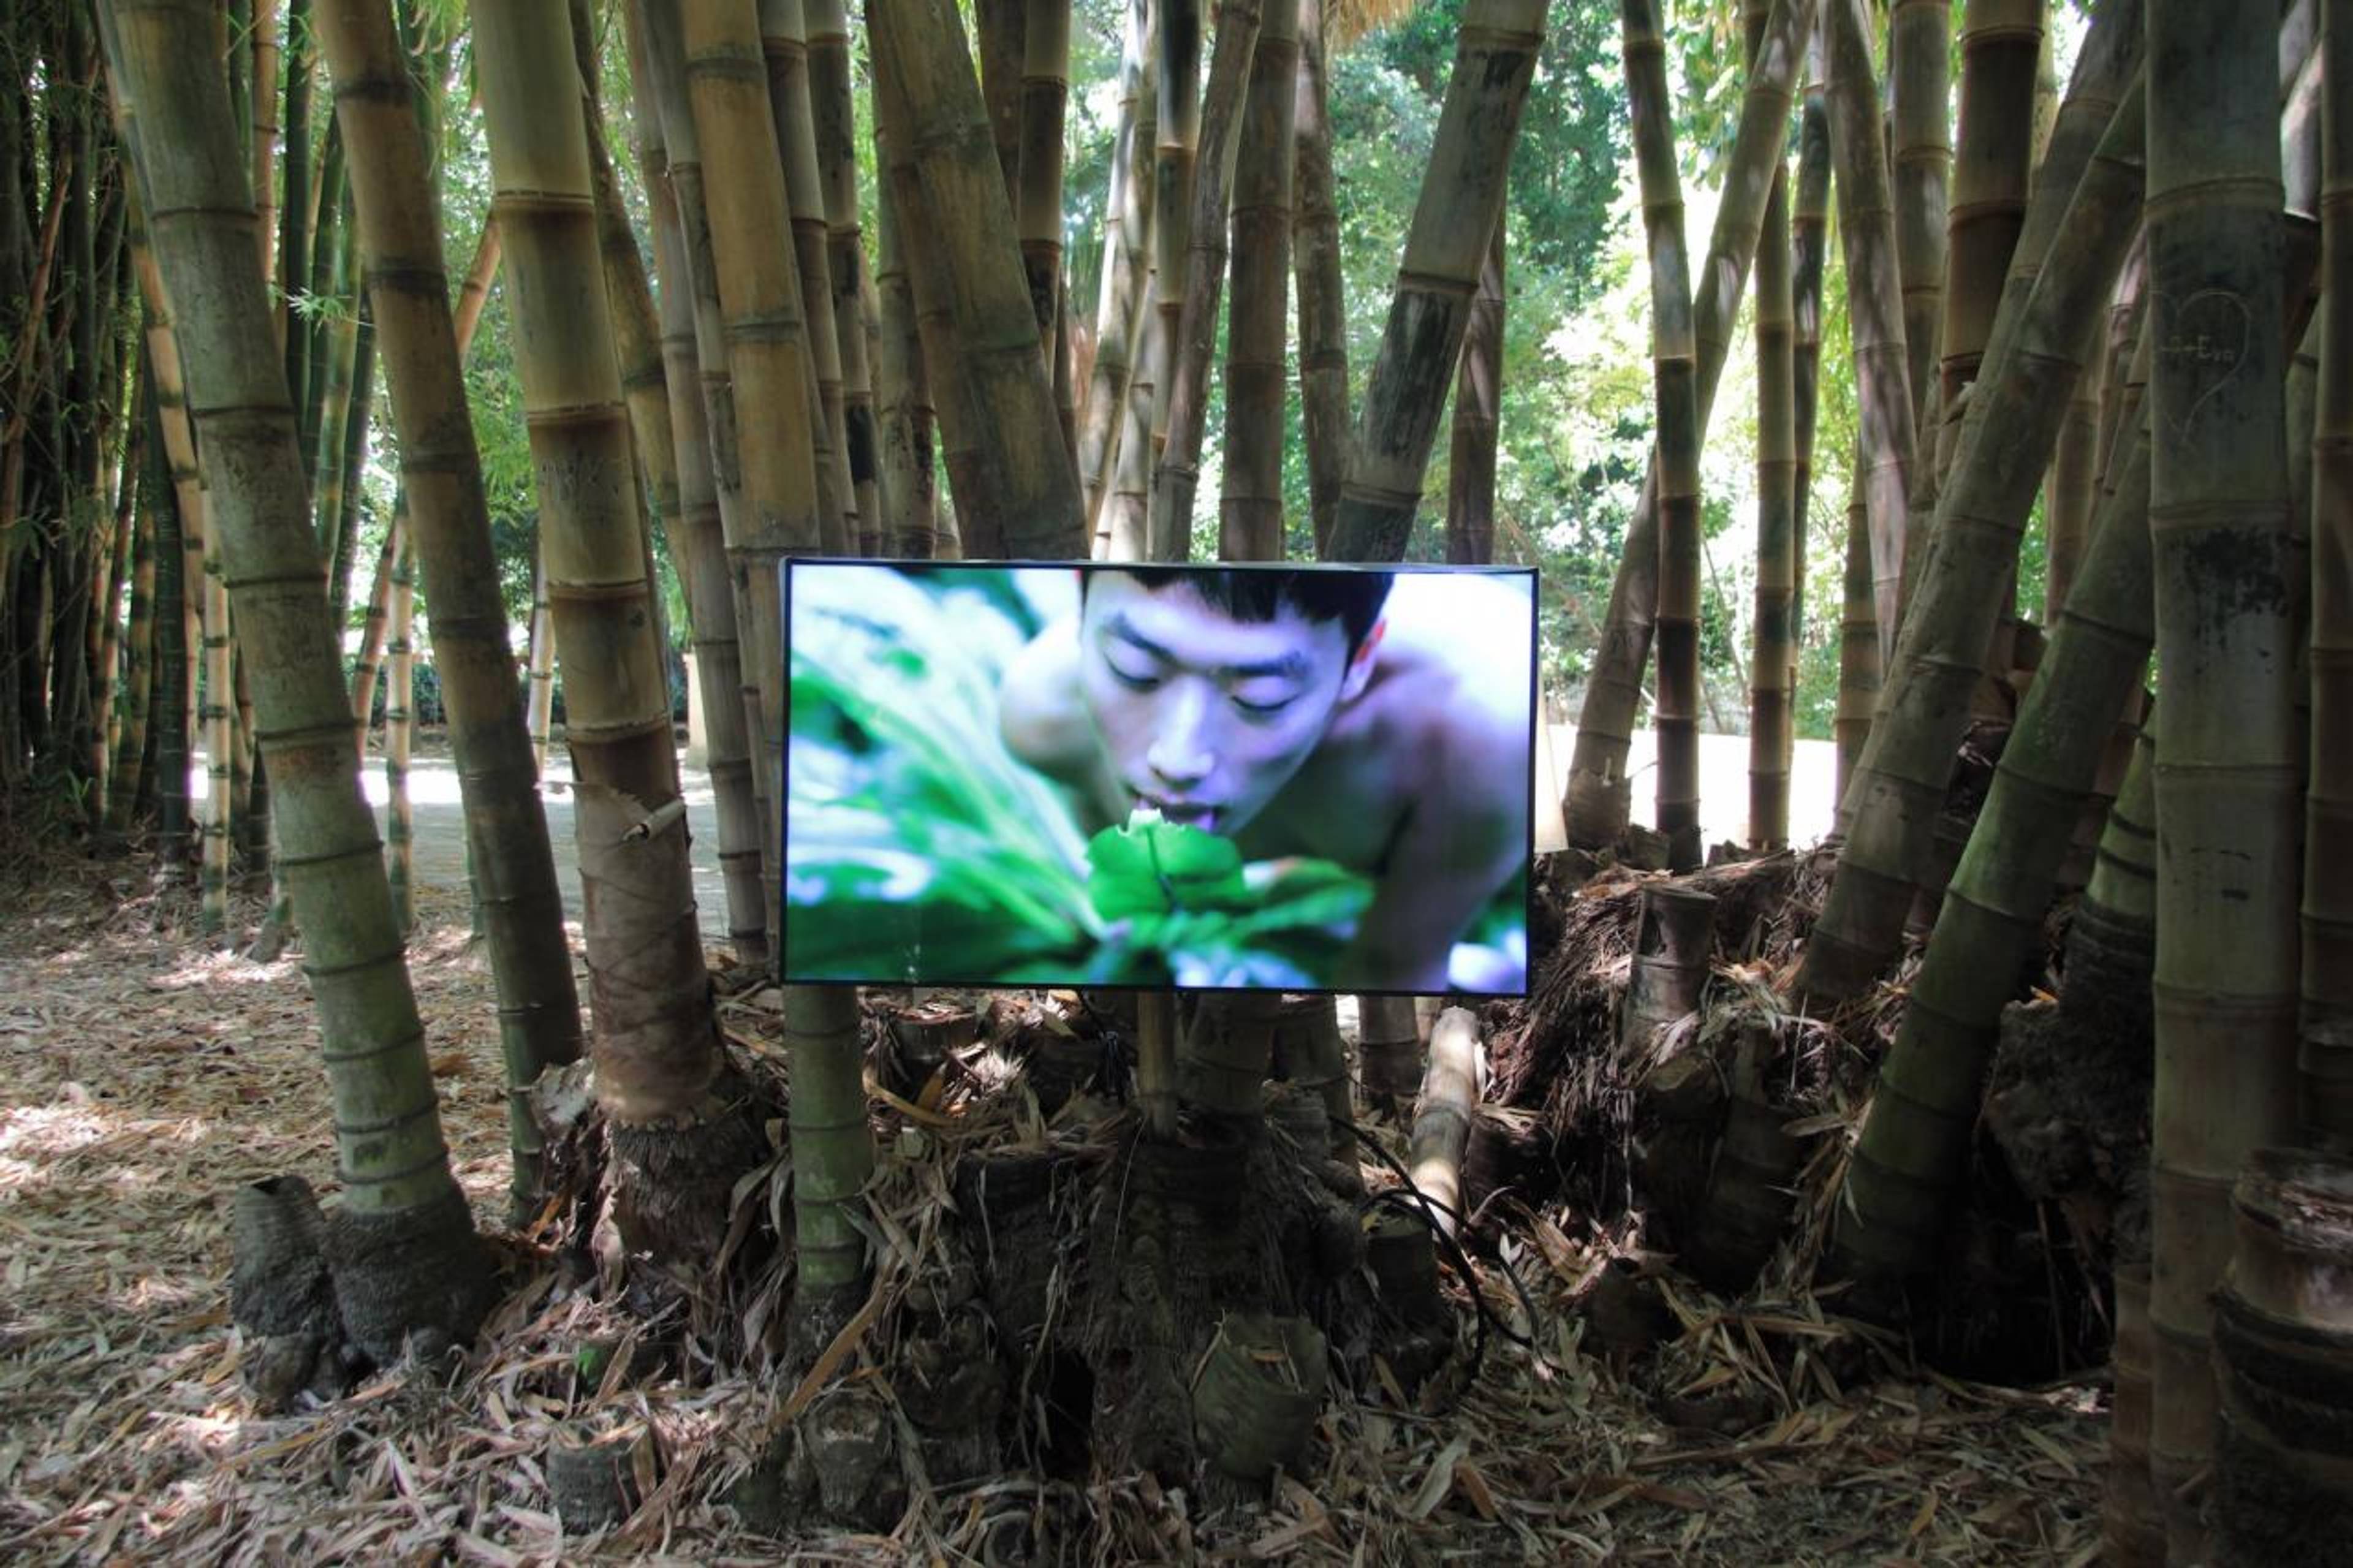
(1377, 721)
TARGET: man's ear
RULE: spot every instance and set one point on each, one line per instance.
(1360, 667)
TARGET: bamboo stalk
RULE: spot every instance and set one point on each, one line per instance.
(539, 665)
(1038, 197)
(1461, 197)
(409, 1259)
(442, 526)
(1860, 674)
(2227, 764)
(2326, 1063)
(1250, 486)
(1916, 1138)
(400, 731)
(376, 622)
(972, 481)
(1598, 788)
(1123, 285)
(1919, 89)
(932, 92)
(1322, 291)
(1176, 135)
(903, 386)
(1773, 658)
(126, 783)
(2040, 345)
(785, 45)
(701, 551)
(658, 72)
(837, 156)
(1867, 226)
(661, 1079)
(1478, 414)
(1674, 372)
(1450, 1091)
(775, 416)
(1169, 525)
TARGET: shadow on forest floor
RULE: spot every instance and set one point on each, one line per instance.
(147, 1076)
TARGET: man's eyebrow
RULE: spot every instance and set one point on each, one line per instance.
(1292, 666)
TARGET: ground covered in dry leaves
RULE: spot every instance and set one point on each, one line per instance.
(144, 1075)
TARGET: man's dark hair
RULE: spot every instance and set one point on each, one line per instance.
(1351, 598)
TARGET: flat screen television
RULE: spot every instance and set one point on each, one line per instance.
(1295, 778)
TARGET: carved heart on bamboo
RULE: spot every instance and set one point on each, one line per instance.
(2203, 338)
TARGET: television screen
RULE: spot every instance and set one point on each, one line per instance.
(1278, 777)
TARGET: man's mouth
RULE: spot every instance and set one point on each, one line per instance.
(1190, 813)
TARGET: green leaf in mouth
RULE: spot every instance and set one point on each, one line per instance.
(1153, 868)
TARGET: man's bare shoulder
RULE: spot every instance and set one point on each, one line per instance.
(1039, 710)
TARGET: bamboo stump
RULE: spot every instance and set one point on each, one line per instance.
(589, 1478)
(1222, 1066)
(1310, 1053)
(1671, 961)
(923, 1037)
(1388, 1043)
(1450, 1089)
(2283, 1365)
(280, 1292)
(1261, 1391)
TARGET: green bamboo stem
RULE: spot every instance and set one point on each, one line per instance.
(973, 480)
(933, 93)
(442, 526)
(1674, 370)
(1123, 288)
(1176, 135)
(700, 555)
(2002, 41)
(1860, 674)
(217, 717)
(1038, 196)
(1919, 90)
(1250, 503)
(124, 784)
(399, 736)
(1875, 315)
(170, 711)
(1773, 652)
(2039, 347)
(837, 156)
(293, 247)
(1809, 247)
(784, 44)
(1916, 1140)
(2326, 1063)
(2228, 765)
(539, 665)
(1169, 525)
(775, 417)
(407, 1258)
(325, 323)
(1462, 196)
(377, 621)
(1478, 417)
(903, 386)
(661, 1079)
(1323, 292)
(658, 74)
(1599, 787)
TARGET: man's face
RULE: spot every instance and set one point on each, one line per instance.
(1202, 716)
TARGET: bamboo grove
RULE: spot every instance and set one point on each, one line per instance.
(809, 290)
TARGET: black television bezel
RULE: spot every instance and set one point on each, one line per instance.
(785, 570)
